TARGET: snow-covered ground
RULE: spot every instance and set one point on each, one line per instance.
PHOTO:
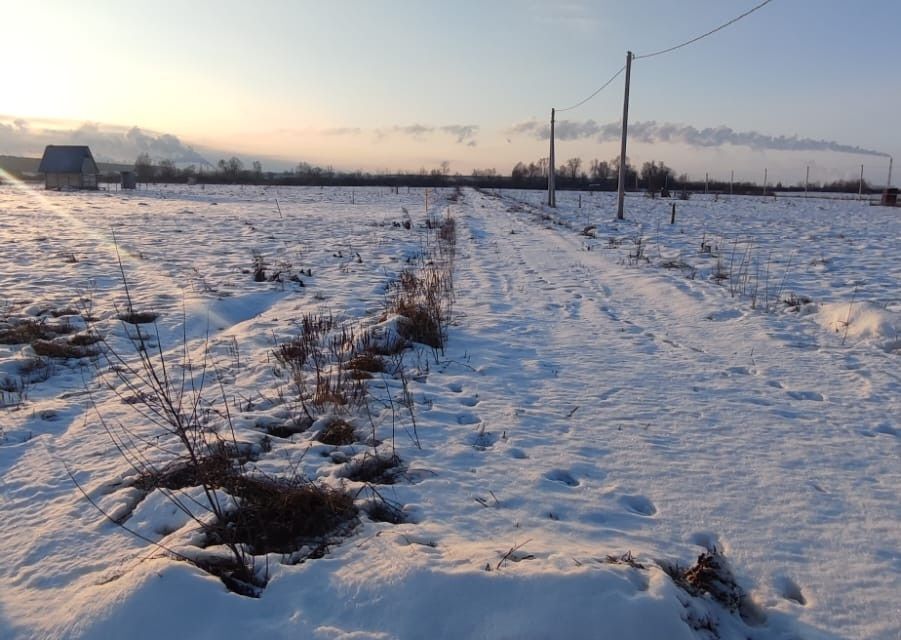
(633, 387)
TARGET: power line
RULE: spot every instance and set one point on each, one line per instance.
(668, 50)
(704, 35)
(601, 88)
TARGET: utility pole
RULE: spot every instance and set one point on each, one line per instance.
(860, 185)
(706, 183)
(888, 185)
(764, 181)
(622, 149)
(807, 181)
(551, 191)
(731, 180)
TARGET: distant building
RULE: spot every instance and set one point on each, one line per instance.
(68, 166)
(129, 180)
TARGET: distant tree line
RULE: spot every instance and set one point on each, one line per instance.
(596, 175)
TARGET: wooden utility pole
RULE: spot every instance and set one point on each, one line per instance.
(621, 195)
(551, 191)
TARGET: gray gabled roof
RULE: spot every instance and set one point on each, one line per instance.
(66, 159)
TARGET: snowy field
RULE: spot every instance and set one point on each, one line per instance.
(614, 400)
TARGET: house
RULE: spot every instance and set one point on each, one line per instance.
(68, 166)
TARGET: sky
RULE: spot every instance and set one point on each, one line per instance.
(404, 84)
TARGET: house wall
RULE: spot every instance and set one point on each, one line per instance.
(72, 180)
(59, 180)
(88, 174)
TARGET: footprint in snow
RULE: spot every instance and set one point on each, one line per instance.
(468, 418)
(481, 440)
(456, 387)
(887, 429)
(727, 314)
(470, 401)
(789, 589)
(806, 395)
(562, 476)
(740, 371)
(639, 505)
(706, 539)
(518, 453)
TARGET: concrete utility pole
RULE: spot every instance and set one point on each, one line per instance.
(806, 181)
(764, 181)
(888, 185)
(860, 185)
(622, 149)
(706, 183)
(551, 190)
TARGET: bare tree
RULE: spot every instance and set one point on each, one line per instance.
(573, 165)
(599, 170)
(168, 170)
(144, 167)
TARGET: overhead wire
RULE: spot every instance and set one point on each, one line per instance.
(704, 35)
(668, 50)
(599, 89)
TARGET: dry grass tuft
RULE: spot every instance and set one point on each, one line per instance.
(27, 331)
(138, 317)
(711, 576)
(276, 515)
(61, 350)
(337, 433)
(375, 469)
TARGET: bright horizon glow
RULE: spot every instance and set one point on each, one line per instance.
(274, 82)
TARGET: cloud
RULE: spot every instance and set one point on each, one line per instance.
(563, 129)
(464, 133)
(342, 131)
(413, 130)
(533, 128)
(108, 143)
(577, 17)
(653, 132)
